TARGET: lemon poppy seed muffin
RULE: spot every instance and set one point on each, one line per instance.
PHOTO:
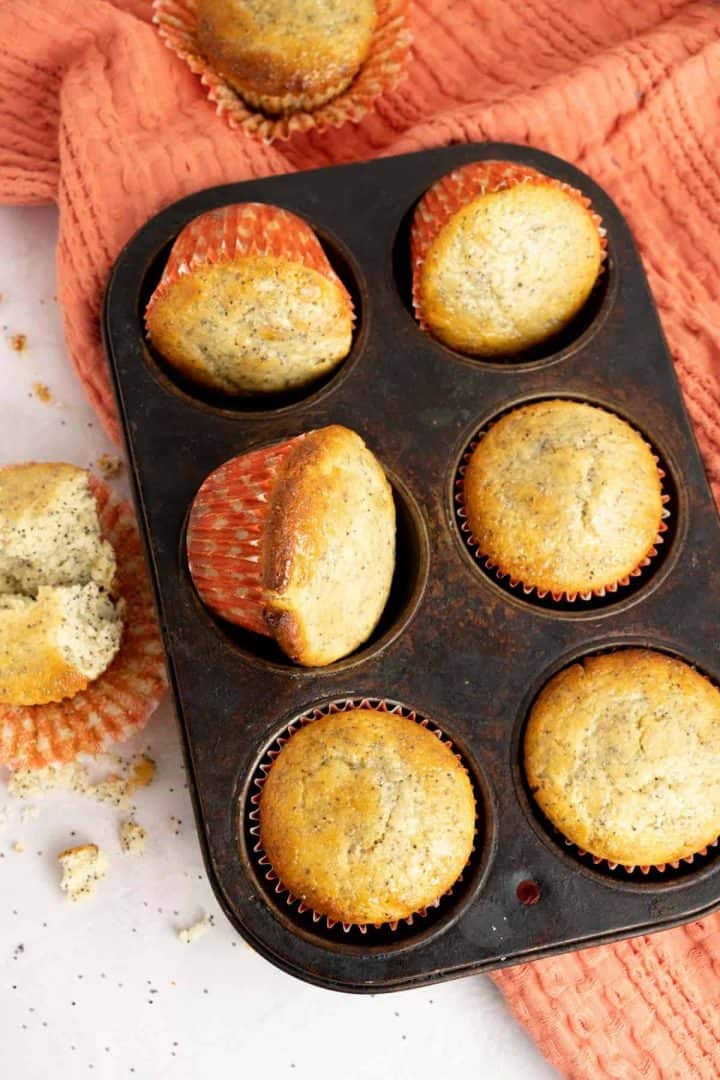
(285, 55)
(564, 497)
(248, 303)
(367, 817)
(622, 755)
(504, 257)
(60, 628)
(297, 541)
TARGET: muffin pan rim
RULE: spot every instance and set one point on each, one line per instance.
(464, 951)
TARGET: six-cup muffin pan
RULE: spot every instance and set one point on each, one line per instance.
(455, 644)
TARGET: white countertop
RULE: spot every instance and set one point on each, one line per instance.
(105, 988)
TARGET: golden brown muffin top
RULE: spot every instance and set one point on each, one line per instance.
(329, 554)
(510, 269)
(280, 52)
(563, 496)
(622, 754)
(367, 817)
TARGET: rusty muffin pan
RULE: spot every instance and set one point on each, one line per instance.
(455, 644)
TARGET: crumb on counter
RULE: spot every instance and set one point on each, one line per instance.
(83, 867)
(17, 846)
(133, 837)
(176, 825)
(109, 465)
(41, 391)
(115, 786)
(197, 930)
(18, 342)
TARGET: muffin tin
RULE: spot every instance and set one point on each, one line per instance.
(457, 646)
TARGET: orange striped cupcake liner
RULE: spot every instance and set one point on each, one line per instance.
(121, 701)
(382, 70)
(244, 230)
(459, 187)
(225, 534)
(261, 859)
(528, 590)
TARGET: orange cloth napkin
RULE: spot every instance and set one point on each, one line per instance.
(96, 115)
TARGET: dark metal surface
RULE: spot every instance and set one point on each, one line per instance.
(454, 644)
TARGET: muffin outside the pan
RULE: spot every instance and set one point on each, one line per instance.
(248, 303)
(276, 68)
(622, 755)
(564, 498)
(503, 257)
(286, 55)
(297, 541)
(366, 817)
(60, 627)
(73, 678)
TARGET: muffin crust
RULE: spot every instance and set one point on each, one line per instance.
(564, 497)
(329, 554)
(622, 755)
(367, 817)
(286, 55)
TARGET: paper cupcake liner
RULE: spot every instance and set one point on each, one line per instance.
(244, 230)
(225, 534)
(459, 187)
(387, 59)
(118, 703)
(263, 862)
(515, 583)
(631, 868)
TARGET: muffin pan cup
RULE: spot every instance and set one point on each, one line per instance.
(470, 656)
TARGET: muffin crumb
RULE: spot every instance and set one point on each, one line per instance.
(191, 933)
(18, 342)
(83, 868)
(17, 846)
(42, 391)
(133, 837)
(109, 465)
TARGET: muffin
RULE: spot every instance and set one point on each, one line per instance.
(81, 662)
(248, 303)
(622, 755)
(565, 498)
(503, 257)
(59, 626)
(366, 817)
(285, 55)
(297, 541)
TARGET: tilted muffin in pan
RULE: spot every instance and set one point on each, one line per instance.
(248, 303)
(503, 257)
(622, 755)
(297, 541)
(366, 817)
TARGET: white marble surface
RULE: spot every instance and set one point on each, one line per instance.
(105, 988)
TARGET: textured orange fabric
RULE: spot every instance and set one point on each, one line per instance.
(96, 115)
